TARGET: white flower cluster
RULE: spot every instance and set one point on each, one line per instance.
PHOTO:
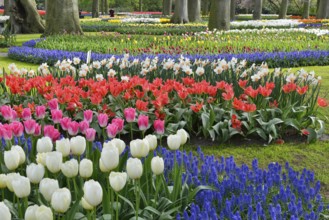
(140, 20)
(267, 23)
(4, 18)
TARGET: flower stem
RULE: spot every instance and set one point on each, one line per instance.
(131, 131)
(117, 207)
(137, 197)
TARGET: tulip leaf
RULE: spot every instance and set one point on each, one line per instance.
(79, 216)
(293, 123)
(127, 201)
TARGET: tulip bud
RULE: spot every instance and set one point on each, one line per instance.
(61, 200)
(134, 168)
(4, 212)
(93, 192)
(63, 146)
(85, 204)
(139, 148)
(54, 161)
(109, 159)
(118, 143)
(157, 165)
(12, 159)
(70, 168)
(86, 168)
(47, 187)
(183, 136)
(143, 122)
(30, 212)
(35, 172)
(3, 179)
(56, 115)
(118, 180)
(40, 111)
(41, 158)
(173, 141)
(53, 104)
(119, 122)
(21, 186)
(112, 130)
(129, 114)
(88, 115)
(73, 128)
(90, 134)
(9, 180)
(44, 145)
(21, 153)
(102, 120)
(78, 145)
(44, 213)
(159, 126)
(152, 140)
(83, 126)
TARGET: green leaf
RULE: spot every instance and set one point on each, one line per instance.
(127, 201)
(293, 123)
(205, 120)
(312, 136)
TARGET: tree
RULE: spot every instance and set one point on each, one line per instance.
(24, 17)
(6, 4)
(219, 17)
(140, 5)
(167, 4)
(62, 17)
(205, 7)
(95, 9)
(257, 14)
(232, 12)
(194, 8)
(306, 8)
(283, 9)
(323, 9)
(180, 15)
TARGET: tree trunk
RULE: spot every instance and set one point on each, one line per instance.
(205, 7)
(306, 9)
(194, 7)
(106, 7)
(257, 13)
(323, 10)
(101, 3)
(95, 9)
(283, 9)
(167, 4)
(24, 17)
(140, 5)
(232, 13)
(6, 4)
(180, 14)
(62, 17)
(219, 17)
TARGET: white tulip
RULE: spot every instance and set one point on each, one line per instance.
(35, 172)
(93, 192)
(120, 144)
(44, 145)
(134, 168)
(4, 212)
(109, 159)
(3, 179)
(9, 180)
(85, 168)
(173, 141)
(61, 200)
(41, 158)
(157, 165)
(139, 148)
(21, 186)
(30, 212)
(108, 144)
(85, 204)
(21, 153)
(70, 168)
(12, 159)
(183, 136)
(152, 140)
(47, 187)
(78, 145)
(63, 145)
(54, 161)
(44, 213)
(118, 180)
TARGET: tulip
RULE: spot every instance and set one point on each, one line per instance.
(12, 159)
(29, 126)
(26, 114)
(53, 104)
(9, 180)
(157, 165)
(183, 136)
(3, 179)
(41, 158)
(35, 172)
(86, 168)
(143, 122)
(83, 126)
(6, 132)
(73, 128)
(78, 145)
(152, 140)
(63, 146)
(174, 141)
(102, 120)
(112, 130)
(118, 143)
(44, 145)
(109, 159)
(21, 186)
(56, 115)
(6, 112)
(85, 204)
(139, 148)
(129, 114)
(88, 115)
(61, 200)
(65, 123)
(51, 131)
(37, 130)
(4, 212)
(54, 161)
(44, 213)
(90, 134)
(40, 112)
(17, 128)
(93, 192)
(70, 168)
(118, 180)
(30, 212)
(118, 122)
(47, 187)
(134, 168)
(21, 153)
(159, 126)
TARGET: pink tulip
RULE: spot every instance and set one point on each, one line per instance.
(159, 126)
(88, 115)
(52, 132)
(26, 114)
(6, 132)
(17, 128)
(30, 126)
(14, 115)
(143, 122)
(90, 134)
(102, 120)
(40, 112)
(6, 112)
(56, 115)
(83, 126)
(119, 122)
(53, 104)
(65, 123)
(112, 130)
(73, 128)
(37, 131)
(129, 114)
